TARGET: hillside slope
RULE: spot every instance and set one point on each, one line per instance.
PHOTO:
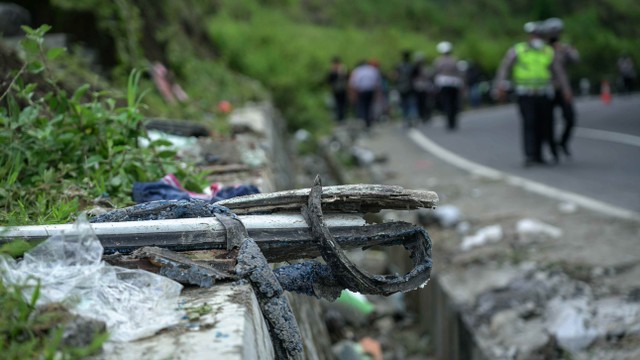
(287, 44)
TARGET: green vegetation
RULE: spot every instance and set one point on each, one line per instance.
(60, 151)
(287, 44)
(28, 334)
(169, 32)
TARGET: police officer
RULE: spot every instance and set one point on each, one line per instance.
(531, 66)
(565, 54)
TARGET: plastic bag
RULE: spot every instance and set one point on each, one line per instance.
(133, 303)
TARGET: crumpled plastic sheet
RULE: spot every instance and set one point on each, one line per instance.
(133, 303)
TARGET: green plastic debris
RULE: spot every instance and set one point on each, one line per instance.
(356, 301)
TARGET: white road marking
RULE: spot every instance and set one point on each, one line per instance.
(428, 145)
(616, 137)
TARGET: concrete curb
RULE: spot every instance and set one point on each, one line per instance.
(606, 209)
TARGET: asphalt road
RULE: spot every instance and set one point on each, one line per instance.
(605, 161)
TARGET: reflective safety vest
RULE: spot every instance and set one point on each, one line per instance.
(531, 68)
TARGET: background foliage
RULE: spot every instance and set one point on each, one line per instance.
(287, 44)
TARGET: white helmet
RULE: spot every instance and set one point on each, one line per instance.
(531, 27)
(444, 47)
(553, 26)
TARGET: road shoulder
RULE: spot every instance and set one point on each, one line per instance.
(596, 252)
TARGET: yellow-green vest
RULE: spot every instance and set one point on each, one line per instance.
(532, 65)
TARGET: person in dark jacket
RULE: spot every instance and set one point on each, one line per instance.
(565, 55)
(338, 80)
(402, 77)
(422, 86)
(449, 81)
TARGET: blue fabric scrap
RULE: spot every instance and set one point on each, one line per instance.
(151, 191)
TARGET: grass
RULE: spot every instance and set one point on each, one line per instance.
(28, 333)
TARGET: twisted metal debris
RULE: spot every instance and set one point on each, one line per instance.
(246, 253)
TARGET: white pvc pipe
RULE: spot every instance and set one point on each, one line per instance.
(178, 226)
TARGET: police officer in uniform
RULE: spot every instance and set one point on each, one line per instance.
(566, 55)
(531, 67)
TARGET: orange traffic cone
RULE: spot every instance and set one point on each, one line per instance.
(605, 92)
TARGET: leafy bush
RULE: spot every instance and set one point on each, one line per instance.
(59, 151)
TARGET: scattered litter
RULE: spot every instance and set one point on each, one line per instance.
(176, 142)
(224, 106)
(448, 215)
(363, 156)
(371, 347)
(165, 83)
(569, 321)
(485, 235)
(302, 135)
(170, 188)
(70, 270)
(348, 350)
(567, 207)
(366, 349)
(356, 301)
(532, 230)
(221, 335)
(540, 303)
(463, 227)
(251, 153)
(249, 119)
(181, 128)
(193, 326)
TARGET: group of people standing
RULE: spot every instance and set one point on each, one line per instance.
(364, 87)
(418, 85)
(536, 68)
(421, 86)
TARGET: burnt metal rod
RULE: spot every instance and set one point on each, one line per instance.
(188, 234)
